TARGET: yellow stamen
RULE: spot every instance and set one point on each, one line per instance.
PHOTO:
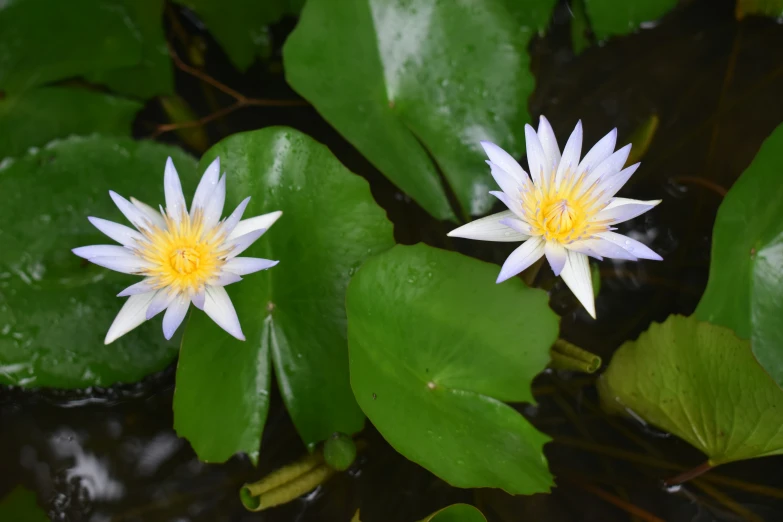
(563, 211)
(185, 255)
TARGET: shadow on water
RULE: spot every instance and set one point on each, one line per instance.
(714, 83)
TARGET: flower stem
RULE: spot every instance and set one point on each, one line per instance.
(688, 475)
(567, 356)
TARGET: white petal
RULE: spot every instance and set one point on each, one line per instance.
(523, 227)
(175, 199)
(88, 252)
(600, 248)
(556, 255)
(489, 229)
(214, 208)
(505, 161)
(513, 204)
(249, 225)
(576, 274)
(206, 186)
(155, 217)
(248, 265)
(123, 235)
(134, 215)
(124, 264)
(240, 244)
(621, 209)
(224, 278)
(198, 298)
(609, 187)
(231, 221)
(600, 151)
(505, 181)
(632, 246)
(174, 316)
(219, 308)
(521, 258)
(163, 298)
(131, 315)
(142, 287)
(571, 153)
(608, 168)
(548, 143)
(536, 159)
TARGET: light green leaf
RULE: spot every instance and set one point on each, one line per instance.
(415, 85)
(55, 308)
(36, 117)
(609, 17)
(20, 505)
(90, 36)
(456, 513)
(435, 348)
(153, 75)
(701, 383)
(745, 288)
(294, 312)
(241, 28)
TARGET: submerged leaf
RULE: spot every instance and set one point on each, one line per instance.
(20, 505)
(436, 349)
(701, 383)
(745, 288)
(55, 308)
(36, 117)
(293, 315)
(416, 85)
(609, 17)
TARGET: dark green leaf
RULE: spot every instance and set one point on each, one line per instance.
(153, 75)
(36, 117)
(609, 17)
(294, 312)
(745, 288)
(55, 308)
(405, 80)
(579, 27)
(456, 513)
(701, 383)
(435, 347)
(43, 41)
(241, 28)
(20, 505)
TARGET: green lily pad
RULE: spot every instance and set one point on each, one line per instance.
(745, 288)
(415, 85)
(456, 513)
(701, 383)
(241, 29)
(36, 117)
(293, 313)
(435, 349)
(90, 36)
(55, 308)
(153, 75)
(609, 17)
(20, 505)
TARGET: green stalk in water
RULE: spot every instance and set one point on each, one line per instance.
(567, 356)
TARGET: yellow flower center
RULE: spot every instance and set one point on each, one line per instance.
(185, 255)
(562, 212)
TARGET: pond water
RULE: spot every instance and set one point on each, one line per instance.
(715, 86)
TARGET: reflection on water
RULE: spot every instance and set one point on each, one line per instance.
(111, 455)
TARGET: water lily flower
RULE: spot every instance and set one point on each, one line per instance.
(564, 209)
(185, 256)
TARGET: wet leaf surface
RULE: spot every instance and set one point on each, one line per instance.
(293, 315)
(435, 350)
(55, 309)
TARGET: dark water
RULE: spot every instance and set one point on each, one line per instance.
(715, 85)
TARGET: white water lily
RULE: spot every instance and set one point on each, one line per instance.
(185, 257)
(566, 211)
